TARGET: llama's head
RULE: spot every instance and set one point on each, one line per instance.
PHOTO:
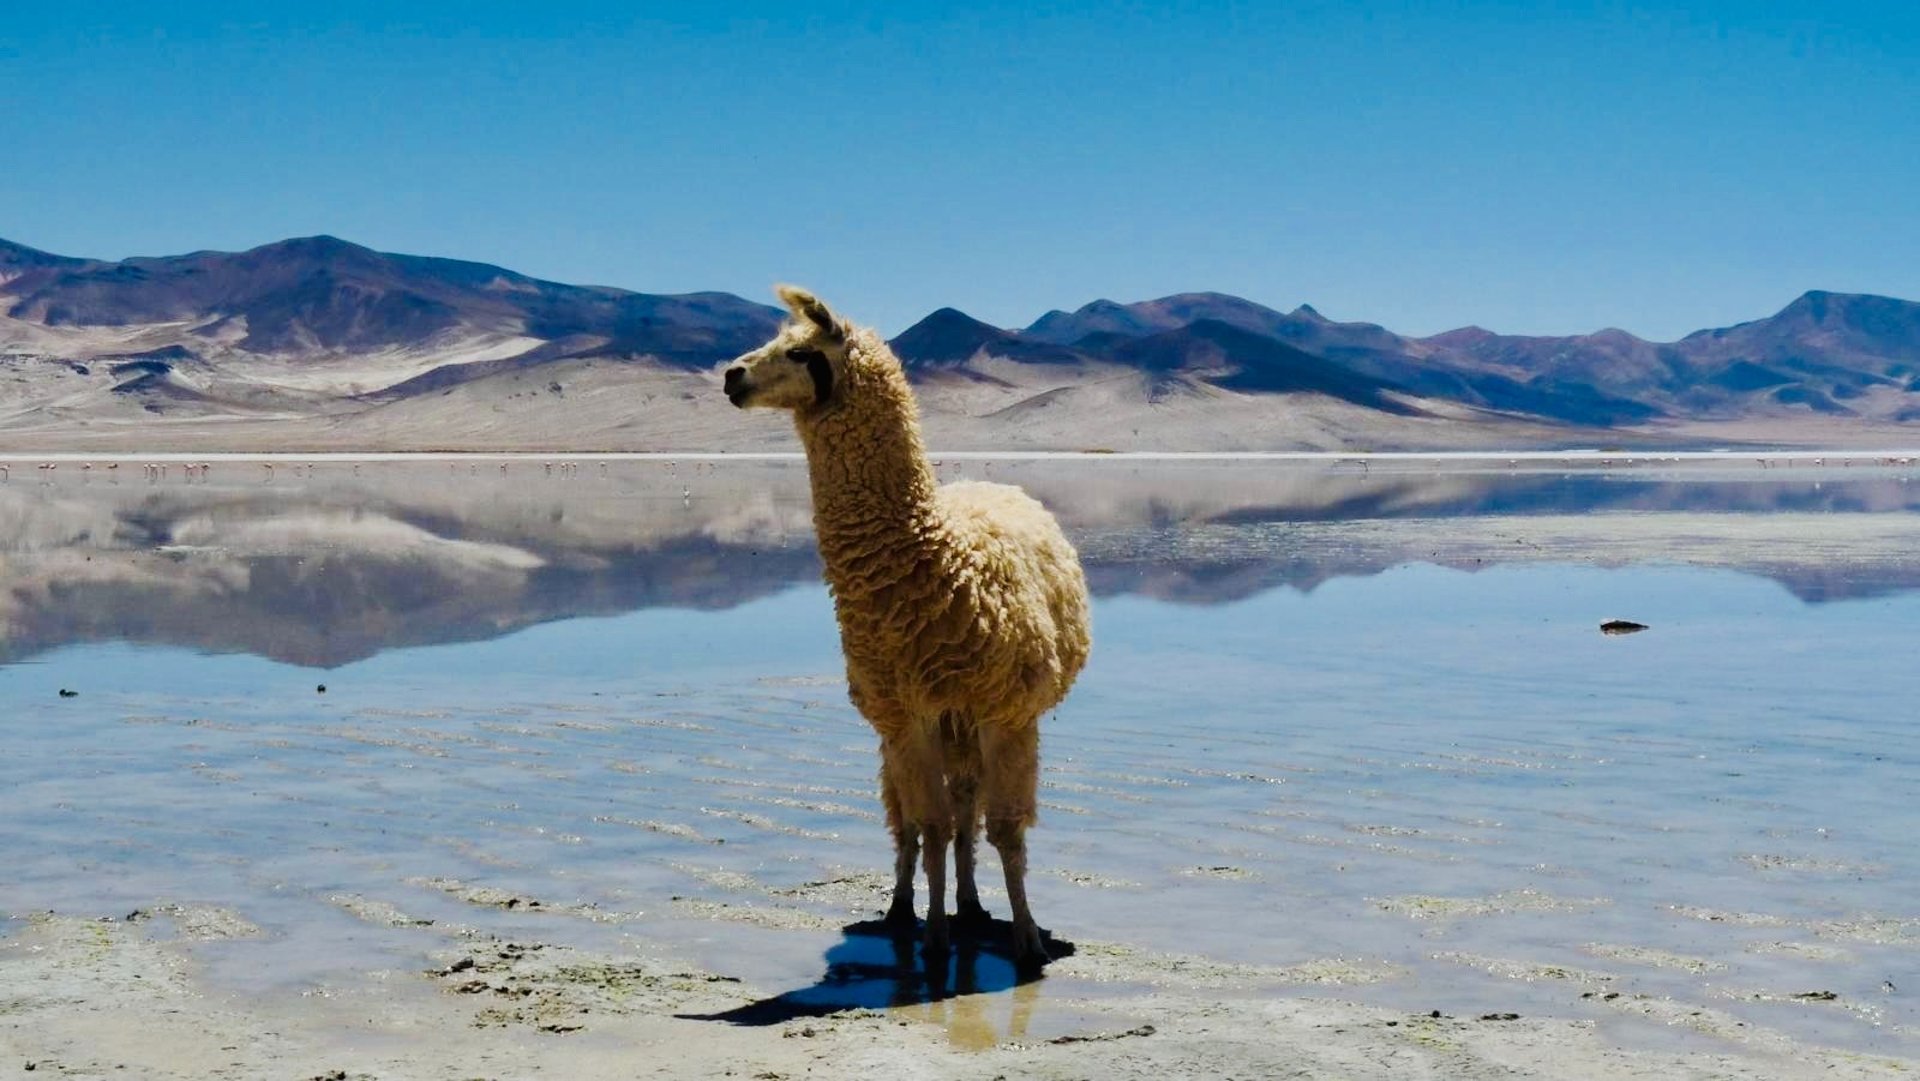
(804, 364)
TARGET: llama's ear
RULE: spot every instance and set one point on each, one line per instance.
(806, 306)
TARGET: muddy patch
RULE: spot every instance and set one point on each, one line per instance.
(482, 896)
(375, 911)
(1645, 955)
(558, 990)
(1422, 907)
(1106, 962)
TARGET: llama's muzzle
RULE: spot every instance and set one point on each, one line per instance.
(735, 384)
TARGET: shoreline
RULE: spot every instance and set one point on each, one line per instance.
(1874, 456)
(108, 996)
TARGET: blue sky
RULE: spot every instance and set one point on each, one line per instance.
(1530, 167)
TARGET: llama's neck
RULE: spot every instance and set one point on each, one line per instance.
(872, 484)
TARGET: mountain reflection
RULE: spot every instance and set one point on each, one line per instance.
(325, 564)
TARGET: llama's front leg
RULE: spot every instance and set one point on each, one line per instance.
(906, 853)
(967, 912)
(920, 785)
(936, 833)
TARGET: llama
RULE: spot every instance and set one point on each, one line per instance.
(962, 611)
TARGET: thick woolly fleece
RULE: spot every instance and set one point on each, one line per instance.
(963, 609)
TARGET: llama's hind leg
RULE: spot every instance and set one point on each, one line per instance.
(1011, 777)
(906, 854)
(1008, 837)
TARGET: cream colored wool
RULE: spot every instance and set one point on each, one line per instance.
(962, 608)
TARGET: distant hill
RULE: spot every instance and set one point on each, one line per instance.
(1826, 353)
(17, 258)
(317, 297)
(319, 342)
(950, 338)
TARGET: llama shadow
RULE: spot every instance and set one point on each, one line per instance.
(878, 966)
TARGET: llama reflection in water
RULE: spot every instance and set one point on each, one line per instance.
(875, 966)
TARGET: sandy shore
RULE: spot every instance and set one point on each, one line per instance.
(111, 997)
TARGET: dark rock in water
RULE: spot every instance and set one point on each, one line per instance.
(1621, 626)
(321, 689)
(64, 693)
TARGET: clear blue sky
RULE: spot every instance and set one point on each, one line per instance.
(1530, 167)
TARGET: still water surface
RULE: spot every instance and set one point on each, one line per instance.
(1344, 733)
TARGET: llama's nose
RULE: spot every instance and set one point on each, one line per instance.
(733, 378)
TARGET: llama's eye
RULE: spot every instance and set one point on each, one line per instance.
(806, 356)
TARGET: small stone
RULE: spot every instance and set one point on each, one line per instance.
(1621, 626)
(321, 689)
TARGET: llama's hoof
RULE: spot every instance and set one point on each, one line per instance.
(1029, 952)
(971, 918)
(900, 916)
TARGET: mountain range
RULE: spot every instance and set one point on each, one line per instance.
(323, 344)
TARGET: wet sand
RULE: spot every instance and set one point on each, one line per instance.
(1280, 834)
(90, 998)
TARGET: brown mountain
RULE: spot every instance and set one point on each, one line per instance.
(336, 345)
(1827, 353)
(18, 258)
(949, 338)
(315, 297)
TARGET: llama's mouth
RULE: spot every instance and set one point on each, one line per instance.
(736, 385)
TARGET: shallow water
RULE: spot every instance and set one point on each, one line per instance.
(1346, 733)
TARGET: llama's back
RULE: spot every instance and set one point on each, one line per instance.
(1029, 574)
